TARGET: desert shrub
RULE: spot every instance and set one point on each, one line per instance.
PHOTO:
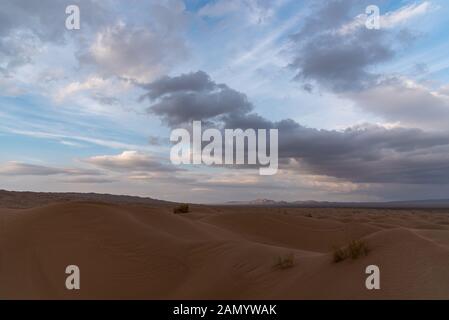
(285, 261)
(357, 248)
(354, 250)
(183, 208)
(309, 215)
(340, 254)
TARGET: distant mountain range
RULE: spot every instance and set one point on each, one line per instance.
(431, 203)
(15, 199)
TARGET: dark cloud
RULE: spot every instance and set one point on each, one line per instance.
(341, 62)
(246, 121)
(367, 153)
(182, 99)
(336, 52)
(192, 82)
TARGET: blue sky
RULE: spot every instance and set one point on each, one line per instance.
(72, 117)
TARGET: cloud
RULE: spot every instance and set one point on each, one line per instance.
(252, 11)
(89, 180)
(193, 96)
(26, 26)
(403, 100)
(138, 46)
(368, 154)
(360, 154)
(390, 19)
(404, 14)
(336, 60)
(92, 83)
(337, 52)
(192, 82)
(331, 15)
(130, 161)
(158, 141)
(342, 56)
(17, 168)
(220, 8)
(139, 52)
(341, 64)
(104, 142)
(8, 87)
(14, 168)
(106, 100)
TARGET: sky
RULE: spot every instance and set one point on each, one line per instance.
(362, 114)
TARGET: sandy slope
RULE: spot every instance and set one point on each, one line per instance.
(129, 251)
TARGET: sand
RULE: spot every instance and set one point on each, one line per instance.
(127, 251)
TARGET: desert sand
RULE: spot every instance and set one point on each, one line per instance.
(145, 251)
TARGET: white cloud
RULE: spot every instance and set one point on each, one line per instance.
(389, 19)
(404, 14)
(92, 82)
(129, 161)
(9, 87)
(141, 53)
(14, 168)
(407, 102)
(253, 11)
(92, 140)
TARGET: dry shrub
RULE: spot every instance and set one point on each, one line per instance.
(355, 249)
(183, 208)
(340, 254)
(285, 261)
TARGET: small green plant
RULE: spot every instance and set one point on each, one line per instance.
(285, 261)
(183, 208)
(355, 249)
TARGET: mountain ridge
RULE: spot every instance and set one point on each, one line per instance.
(422, 203)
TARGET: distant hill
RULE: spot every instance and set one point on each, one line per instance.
(431, 203)
(25, 199)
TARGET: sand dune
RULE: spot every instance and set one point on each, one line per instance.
(129, 251)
